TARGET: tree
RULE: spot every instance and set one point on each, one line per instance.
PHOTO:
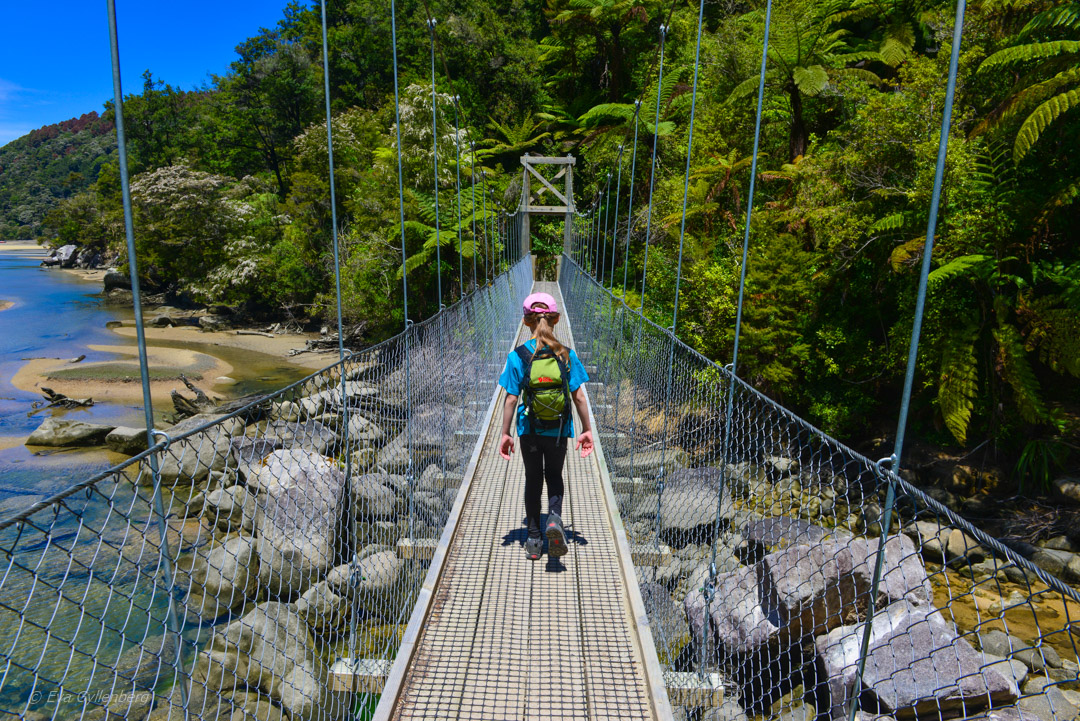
(808, 50)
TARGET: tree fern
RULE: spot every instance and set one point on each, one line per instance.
(1038, 121)
(1030, 53)
(958, 382)
(1017, 372)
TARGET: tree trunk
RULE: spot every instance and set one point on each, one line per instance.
(797, 140)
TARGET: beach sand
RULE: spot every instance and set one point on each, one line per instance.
(5, 304)
(119, 381)
(278, 346)
(22, 245)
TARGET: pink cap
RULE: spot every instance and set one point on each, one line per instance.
(540, 303)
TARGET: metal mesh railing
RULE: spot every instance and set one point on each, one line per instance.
(284, 526)
(756, 559)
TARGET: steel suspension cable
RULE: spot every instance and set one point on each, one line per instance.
(457, 189)
(630, 209)
(435, 157)
(913, 349)
(652, 171)
(409, 472)
(730, 407)
(349, 519)
(603, 246)
(172, 622)
(472, 190)
(615, 224)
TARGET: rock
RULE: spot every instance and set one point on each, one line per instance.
(1051, 561)
(231, 509)
(648, 464)
(1046, 701)
(225, 381)
(247, 451)
(782, 465)
(380, 580)
(1067, 489)
(363, 430)
(213, 323)
(115, 279)
(271, 649)
(433, 426)
(1008, 667)
(915, 665)
(998, 643)
(815, 588)
(161, 321)
(56, 432)
(221, 579)
(931, 537)
(738, 621)
(780, 532)
(688, 514)
(962, 546)
(285, 411)
(309, 435)
(746, 479)
(1059, 543)
(191, 459)
(129, 441)
(1040, 659)
(322, 607)
(66, 255)
(373, 500)
(299, 496)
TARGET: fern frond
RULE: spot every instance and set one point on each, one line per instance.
(964, 265)
(958, 381)
(749, 86)
(1063, 16)
(1030, 52)
(896, 221)
(906, 254)
(1017, 372)
(1040, 119)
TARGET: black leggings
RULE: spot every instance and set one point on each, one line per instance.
(543, 457)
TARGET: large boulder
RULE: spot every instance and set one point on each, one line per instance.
(811, 589)
(431, 437)
(737, 621)
(220, 580)
(300, 495)
(915, 665)
(374, 501)
(66, 255)
(56, 432)
(115, 279)
(649, 464)
(272, 650)
(310, 435)
(129, 441)
(142, 666)
(191, 459)
(231, 509)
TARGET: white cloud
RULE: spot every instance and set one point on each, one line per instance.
(8, 89)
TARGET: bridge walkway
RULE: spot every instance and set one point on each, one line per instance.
(496, 636)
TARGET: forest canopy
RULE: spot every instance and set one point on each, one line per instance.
(231, 186)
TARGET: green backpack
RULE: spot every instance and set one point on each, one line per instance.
(545, 388)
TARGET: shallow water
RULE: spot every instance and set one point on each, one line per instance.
(59, 315)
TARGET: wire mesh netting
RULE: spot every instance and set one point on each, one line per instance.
(287, 538)
(756, 554)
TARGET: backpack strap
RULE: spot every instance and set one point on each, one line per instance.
(526, 357)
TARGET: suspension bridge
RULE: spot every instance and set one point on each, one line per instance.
(350, 546)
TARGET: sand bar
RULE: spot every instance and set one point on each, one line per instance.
(5, 304)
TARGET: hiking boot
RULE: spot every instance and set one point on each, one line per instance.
(556, 536)
(533, 547)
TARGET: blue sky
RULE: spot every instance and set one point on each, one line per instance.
(54, 58)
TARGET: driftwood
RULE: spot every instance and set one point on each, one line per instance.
(201, 403)
(187, 407)
(59, 400)
(353, 338)
(254, 332)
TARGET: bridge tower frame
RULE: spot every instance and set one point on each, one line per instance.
(565, 165)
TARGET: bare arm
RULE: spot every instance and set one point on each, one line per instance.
(585, 439)
(506, 443)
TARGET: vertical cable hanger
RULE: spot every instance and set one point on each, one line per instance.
(913, 353)
(615, 224)
(630, 208)
(472, 190)
(172, 622)
(457, 190)
(435, 150)
(652, 171)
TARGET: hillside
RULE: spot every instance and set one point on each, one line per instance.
(48, 164)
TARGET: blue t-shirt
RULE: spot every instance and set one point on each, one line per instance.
(512, 376)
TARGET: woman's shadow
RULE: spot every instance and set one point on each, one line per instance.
(554, 565)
